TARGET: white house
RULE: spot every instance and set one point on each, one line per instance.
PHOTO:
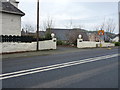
(10, 17)
(116, 39)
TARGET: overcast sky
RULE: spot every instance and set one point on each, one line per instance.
(87, 14)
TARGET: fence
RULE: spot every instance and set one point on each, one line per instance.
(6, 38)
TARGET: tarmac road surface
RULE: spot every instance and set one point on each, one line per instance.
(89, 68)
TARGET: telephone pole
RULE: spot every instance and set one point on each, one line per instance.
(37, 49)
(119, 20)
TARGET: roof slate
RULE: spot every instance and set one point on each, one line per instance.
(7, 7)
(62, 34)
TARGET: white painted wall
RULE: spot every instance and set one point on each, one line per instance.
(17, 47)
(90, 44)
(11, 24)
(108, 45)
(116, 39)
(50, 44)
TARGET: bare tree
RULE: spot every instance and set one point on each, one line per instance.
(102, 25)
(72, 36)
(74, 31)
(29, 28)
(96, 27)
(110, 25)
(70, 24)
(48, 25)
(80, 26)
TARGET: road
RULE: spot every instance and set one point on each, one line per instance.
(89, 68)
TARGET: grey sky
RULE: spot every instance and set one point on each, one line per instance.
(88, 14)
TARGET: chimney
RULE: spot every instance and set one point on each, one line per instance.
(3, 0)
(14, 2)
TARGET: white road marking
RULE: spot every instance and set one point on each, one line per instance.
(52, 67)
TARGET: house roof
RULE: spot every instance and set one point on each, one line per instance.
(62, 34)
(7, 7)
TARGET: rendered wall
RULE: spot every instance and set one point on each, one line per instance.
(18, 47)
(50, 44)
(11, 24)
(90, 44)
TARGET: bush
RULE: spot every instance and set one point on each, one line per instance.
(48, 35)
(75, 42)
(117, 43)
(60, 42)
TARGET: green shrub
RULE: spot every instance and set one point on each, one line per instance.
(75, 42)
(48, 35)
(60, 42)
(117, 43)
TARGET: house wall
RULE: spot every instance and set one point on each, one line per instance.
(11, 24)
(18, 47)
(116, 39)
